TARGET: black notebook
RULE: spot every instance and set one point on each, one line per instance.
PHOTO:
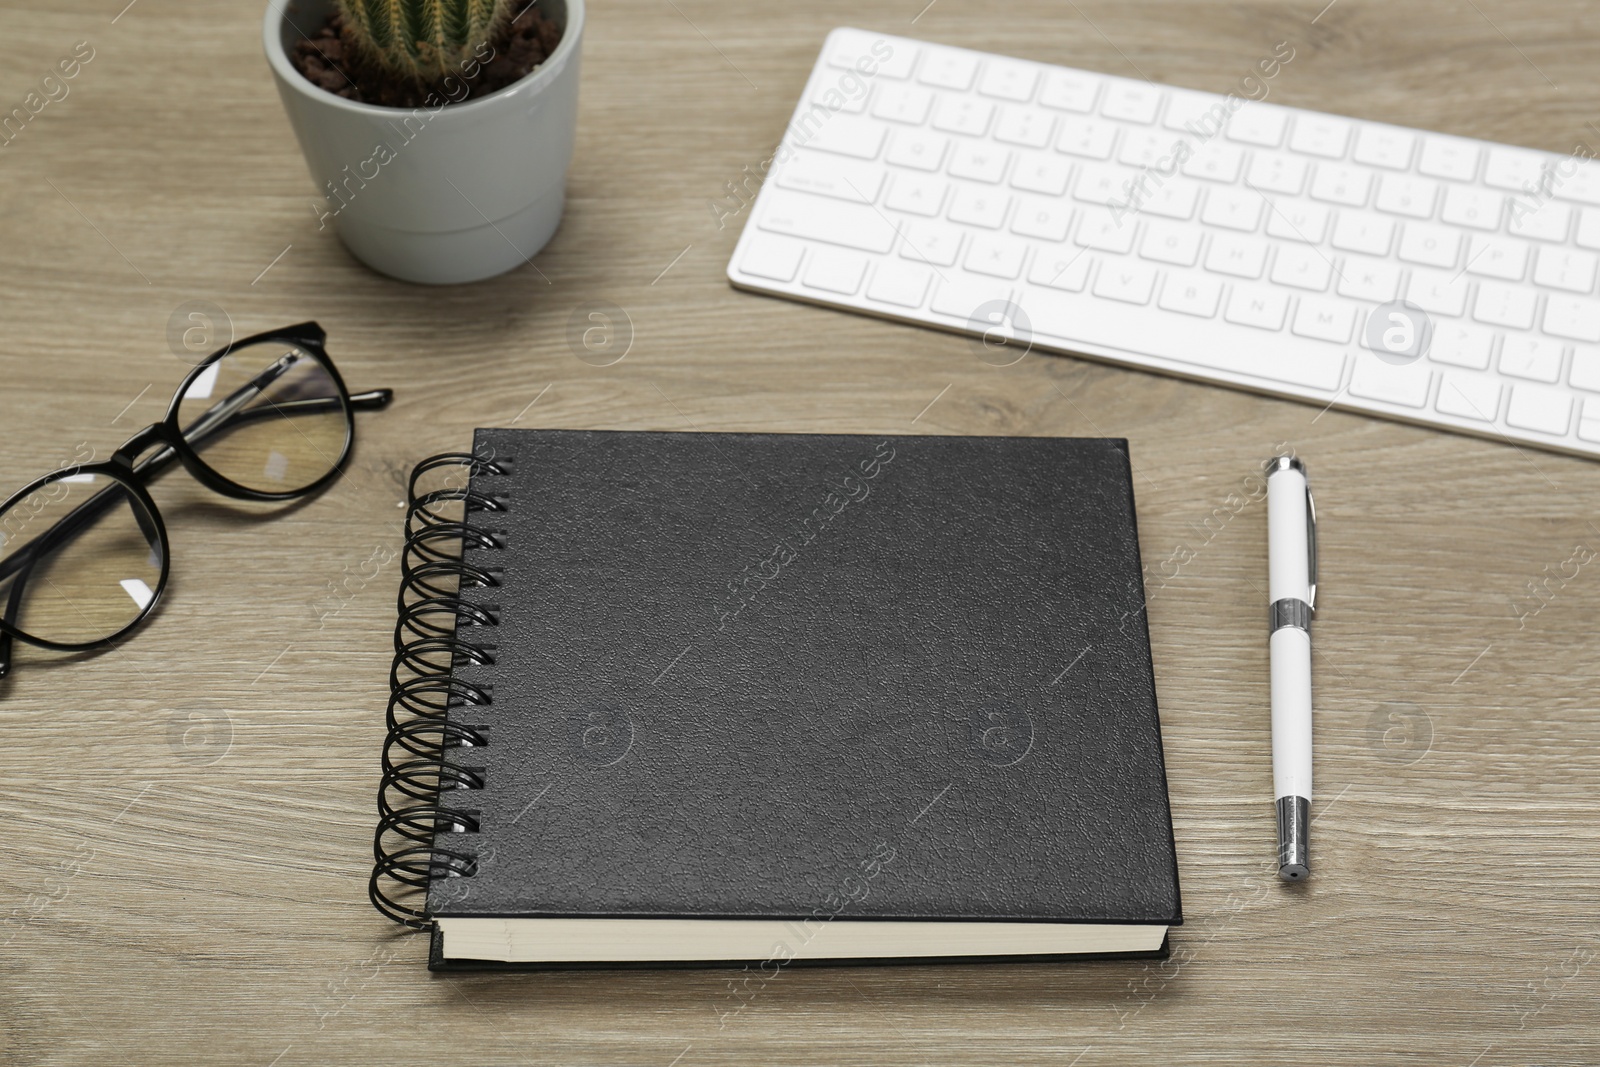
(666, 698)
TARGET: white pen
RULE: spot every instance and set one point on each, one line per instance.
(1292, 593)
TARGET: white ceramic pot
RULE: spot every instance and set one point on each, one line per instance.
(443, 194)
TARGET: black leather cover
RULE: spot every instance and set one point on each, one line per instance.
(772, 675)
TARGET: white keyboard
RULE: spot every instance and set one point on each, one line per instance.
(1058, 207)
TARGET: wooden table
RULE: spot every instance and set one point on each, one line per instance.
(188, 818)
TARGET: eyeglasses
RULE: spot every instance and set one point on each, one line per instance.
(83, 551)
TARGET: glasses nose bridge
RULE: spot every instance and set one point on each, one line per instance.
(149, 437)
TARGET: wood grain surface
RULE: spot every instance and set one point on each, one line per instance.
(188, 818)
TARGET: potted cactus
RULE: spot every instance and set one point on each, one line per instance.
(438, 132)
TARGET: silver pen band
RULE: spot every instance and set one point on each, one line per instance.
(1289, 611)
(1294, 839)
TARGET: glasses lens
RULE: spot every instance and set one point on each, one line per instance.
(267, 416)
(80, 559)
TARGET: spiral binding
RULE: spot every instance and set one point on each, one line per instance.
(434, 636)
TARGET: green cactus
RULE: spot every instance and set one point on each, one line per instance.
(423, 40)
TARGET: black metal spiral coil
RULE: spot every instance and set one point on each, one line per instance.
(438, 630)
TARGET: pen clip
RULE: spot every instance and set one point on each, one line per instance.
(1311, 546)
(1288, 463)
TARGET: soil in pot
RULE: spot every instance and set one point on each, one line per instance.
(328, 60)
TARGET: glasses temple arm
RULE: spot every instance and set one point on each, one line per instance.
(225, 408)
(217, 416)
(13, 602)
(68, 526)
(211, 422)
(372, 399)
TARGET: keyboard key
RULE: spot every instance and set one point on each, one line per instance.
(1582, 186)
(1497, 257)
(1376, 379)
(766, 256)
(1565, 268)
(909, 104)
(1191, 294)
(961, 295)
(1468, 396)
(998, 257)
(949, 69)
(1319, 135)
(1127, 280)
(1477, 208)
(901, 284)
(846, 135)
(931, 242)
(978, 161)
(1090, 138)
(1038, 217)
(1146, 148)
(1235, 209)
(1256, 123)
(1363, 231)
(812, 172)
(1438, 292)
(916, 194)
(1105, 184)
(1068, 270)
(1585, 373)
(1385, 146)
(963, 115)
(918, 149)
(836, 270)
(1448, 157)
(830, 221)
(1573, 317)
(1539, 408)
(1008, 80)
(1039, 173)
(1276, 172)
(1373, 280)
(1215, 161)
(1589, 424)
(1302, 267)
(828, 94)
(1504, 305)
(1101, 229)
(1168, 242)
(1588, 235)
(1175, 199)
(1242, 257)
(849, 48)
(1401, 194)
(1257, 305)
(1429, 245)
(1546, 222)
(1462, 345)
(1196, 113)
(1514, 168)
(1297, 220)
(977, 206)
(1069, 90)
(1025, 126)
(1340, 184)
(1130, 101)
(1530, 356)
(1326, 320)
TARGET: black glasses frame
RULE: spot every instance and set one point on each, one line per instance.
(132, 474)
